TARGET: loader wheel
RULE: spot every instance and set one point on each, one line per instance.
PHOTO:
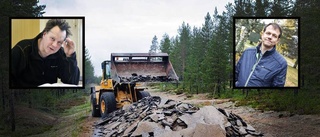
(143, 94)
(107, 104)
(95, 108)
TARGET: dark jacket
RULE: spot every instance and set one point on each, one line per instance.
(29, 69)
(269, 71)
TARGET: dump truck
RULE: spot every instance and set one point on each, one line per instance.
(123, 80)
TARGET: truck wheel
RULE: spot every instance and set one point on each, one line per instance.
(95, 108)
(142, 94)
(107, 104)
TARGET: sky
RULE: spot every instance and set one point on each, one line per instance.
(128, 26)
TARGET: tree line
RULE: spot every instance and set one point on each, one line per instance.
(202, 56)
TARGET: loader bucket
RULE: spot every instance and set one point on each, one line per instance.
(125, 65)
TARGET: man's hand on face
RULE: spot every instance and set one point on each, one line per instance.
(69, 47)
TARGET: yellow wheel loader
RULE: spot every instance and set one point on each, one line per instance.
(123, 79)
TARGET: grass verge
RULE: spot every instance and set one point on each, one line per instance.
(278, 100)
(62, 119)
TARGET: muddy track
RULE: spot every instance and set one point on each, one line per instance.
(272, 124)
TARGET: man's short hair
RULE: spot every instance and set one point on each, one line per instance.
(275, 26)
(61, 23)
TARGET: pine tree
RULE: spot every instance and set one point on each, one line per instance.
(216, 60)
(154, 46)
(165, 44)
(207, 31)
(239, 4)
(175, 57)
(207, 35)
(193, 72)
(206, 38)
(184, 45)
(244, 8)
(281, 8)
(228, 28)
(89, 70)
(261, 8)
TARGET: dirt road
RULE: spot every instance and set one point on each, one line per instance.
(272, 124)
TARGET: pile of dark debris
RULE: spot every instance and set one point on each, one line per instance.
(161, 117)
(146, 78)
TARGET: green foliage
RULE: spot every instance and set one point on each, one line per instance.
(180, 50)
(76, 108)
(167, 87)
(165, 44)
(277, 100)
(203, 56)
(46, 104)
(25, 8)
(155, 45)
(89, 70)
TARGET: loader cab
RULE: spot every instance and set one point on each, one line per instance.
(106, 70)
(106, 81)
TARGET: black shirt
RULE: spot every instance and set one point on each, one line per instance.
(29, 69)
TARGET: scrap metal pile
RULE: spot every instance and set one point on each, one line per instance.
(155, 116)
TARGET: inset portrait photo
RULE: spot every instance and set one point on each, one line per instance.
(47, 52)
(266, 52)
